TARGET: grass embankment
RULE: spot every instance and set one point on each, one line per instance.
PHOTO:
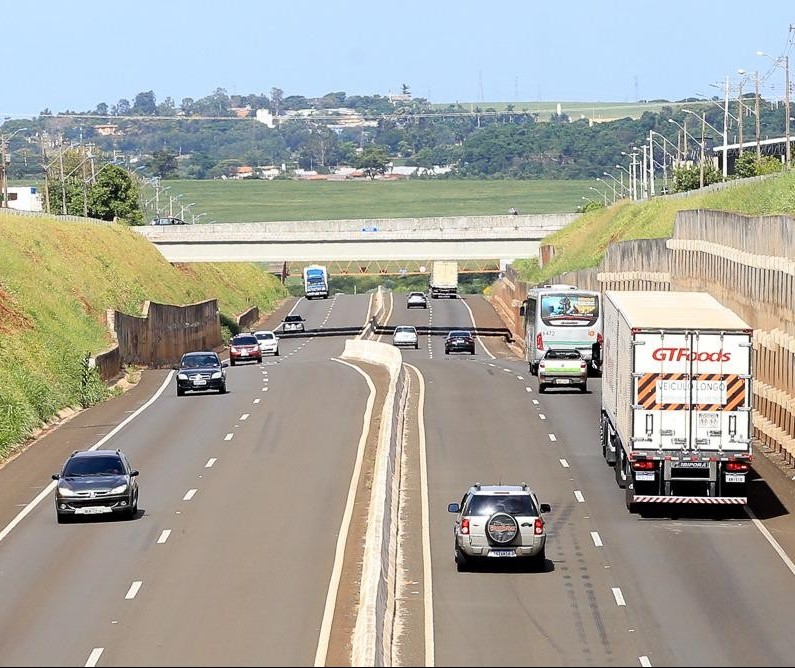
(582, 244)
(56, 281)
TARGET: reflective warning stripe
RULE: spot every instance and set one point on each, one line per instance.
(647, 391)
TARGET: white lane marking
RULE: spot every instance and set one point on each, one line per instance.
(553, 438)
(93, 658)
(244, 417)
(535, 402)
(579, 496)
(45, 493)
(210, 462)
(229, 437)
(645, 661)
(519, 377)
(336, 571)
(508, 370)
(490, 364)
(264, 389)
(164, 534)
(543, 417)
(528, 389)
(366, 324)
(427, 573)
(564, 463)
(773, 542)
(189, 494)
(256, 401)
(389, 313)
(597, 539)
(133, 590)
(474, 326)
(618, 596)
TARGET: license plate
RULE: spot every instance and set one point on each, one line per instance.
(244, 353)
(562, 381)
(92, 510)
(644, 475)
(735, 477)
(502, 553)
(201, 381)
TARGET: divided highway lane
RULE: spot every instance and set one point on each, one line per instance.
(619, 589)
(230, 558)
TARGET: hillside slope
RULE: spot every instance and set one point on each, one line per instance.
(56, 281)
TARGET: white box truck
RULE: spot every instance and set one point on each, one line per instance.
(444, 279)
(676, 397)
(315, 281)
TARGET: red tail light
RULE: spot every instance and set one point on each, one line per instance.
(599, 338)
(539, 341)
(737, 467)
(538, 527)
(465, 526)
(643, 465)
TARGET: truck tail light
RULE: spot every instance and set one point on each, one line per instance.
(582, 366)
(538, 527)
(539, 341)
(737, 467)
(599, 338)
(643, 465)
(465, 527)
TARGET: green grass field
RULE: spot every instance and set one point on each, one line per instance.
(265, 201)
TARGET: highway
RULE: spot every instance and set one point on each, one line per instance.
(252, 501)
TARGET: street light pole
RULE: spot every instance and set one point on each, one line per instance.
(603, 194)
(5, 160)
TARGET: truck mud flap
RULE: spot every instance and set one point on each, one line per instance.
(703, 500)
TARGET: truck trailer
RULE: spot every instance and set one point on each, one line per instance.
(676, 398)
(315, 281)
(444, 279)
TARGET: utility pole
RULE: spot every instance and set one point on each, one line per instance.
(726, 129)
(740, 116)
(651, 165)
(703, 130)
(787, 97)
(758, 121)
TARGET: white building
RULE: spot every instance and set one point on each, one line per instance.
(24, 198)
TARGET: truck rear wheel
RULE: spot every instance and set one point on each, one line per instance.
(619, 467)
(629, 491)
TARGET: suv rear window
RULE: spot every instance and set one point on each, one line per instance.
(518, 504)
(248, 340)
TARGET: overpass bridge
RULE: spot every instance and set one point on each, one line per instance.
(367, 246)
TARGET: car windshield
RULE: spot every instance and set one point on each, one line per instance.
(264, 336)
(88, 466)
(518, 504)
(198, 361)
(293, 318)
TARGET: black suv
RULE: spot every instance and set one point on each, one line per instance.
(96, 482)
(200, 371)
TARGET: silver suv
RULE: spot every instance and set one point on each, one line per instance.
(502, 521)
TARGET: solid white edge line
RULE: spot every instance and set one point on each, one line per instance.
(342, 536)
(427, 570)
(773, 542)
(49, 488)
(366, 324)
(474, 326)
(93, 658)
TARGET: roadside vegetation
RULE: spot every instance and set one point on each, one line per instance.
(582, 244)
(57, 280)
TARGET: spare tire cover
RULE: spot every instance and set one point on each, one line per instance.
(502, 528)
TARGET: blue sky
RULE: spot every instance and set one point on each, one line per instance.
(70, 56)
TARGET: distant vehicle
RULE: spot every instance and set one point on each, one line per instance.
(564, 368)
(499, 521)
(244, 348)
(405, 335)
(268, 342)
(96, 482)
(444, 279)
(564, 317)
(293, 323)
(416, 300)
(168, 220)
(459, 341)
(315, 281)
(201, 371)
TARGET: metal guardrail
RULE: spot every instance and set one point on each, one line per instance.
(377, 329)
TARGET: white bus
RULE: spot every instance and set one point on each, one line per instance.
(562, 316)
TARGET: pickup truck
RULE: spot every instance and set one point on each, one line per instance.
(562, 368)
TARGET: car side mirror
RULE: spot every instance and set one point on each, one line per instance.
(522, 310)
(224, 364)
(133, 473)
(453, 508)
(56, 476)
(175, 367)
(545, 508)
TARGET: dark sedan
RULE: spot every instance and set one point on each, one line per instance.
(459, 341)
(200, 371)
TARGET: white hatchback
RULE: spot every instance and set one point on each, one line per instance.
(405, 335)
(268, 342)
